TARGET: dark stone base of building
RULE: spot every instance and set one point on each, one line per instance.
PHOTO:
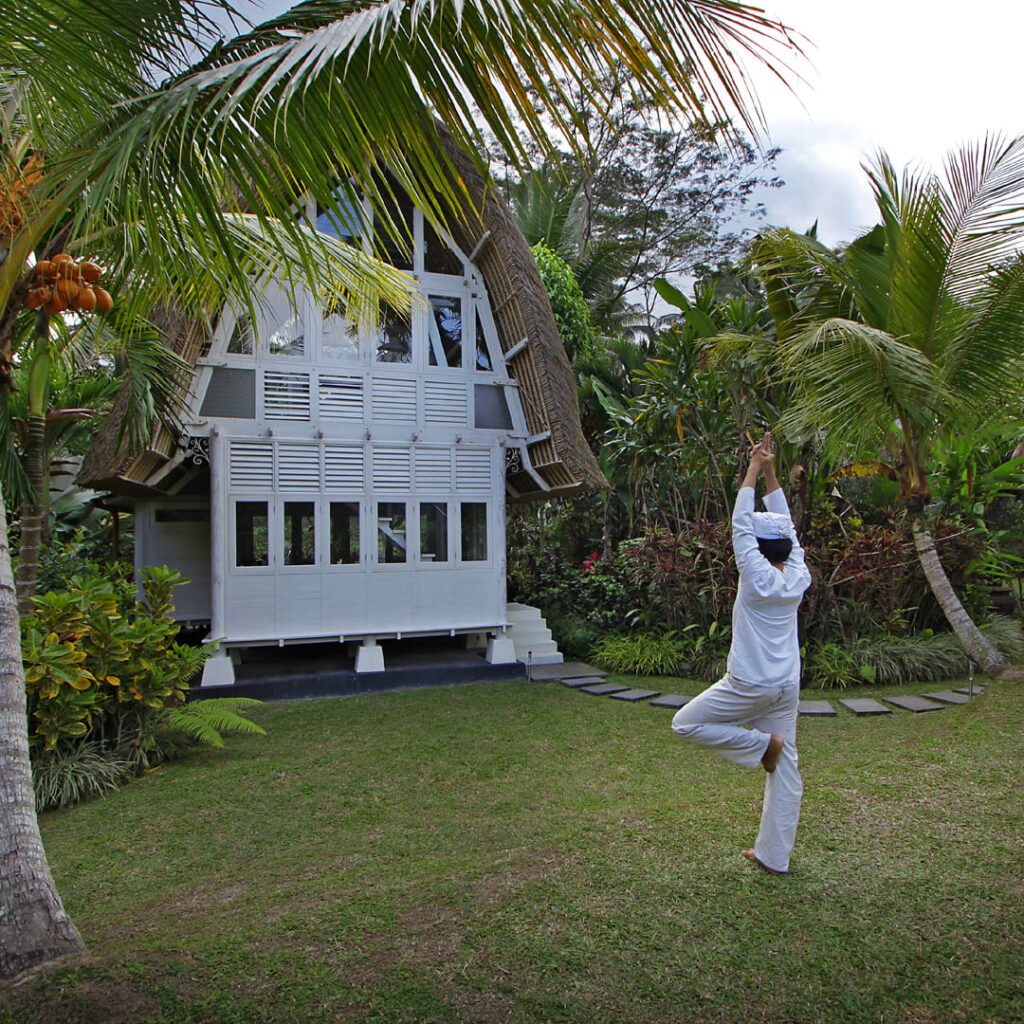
(303, 671)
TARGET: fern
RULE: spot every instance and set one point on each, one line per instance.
(208, 721)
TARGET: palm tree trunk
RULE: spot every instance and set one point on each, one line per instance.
(33, 514)
(978, 646)
(34, 927)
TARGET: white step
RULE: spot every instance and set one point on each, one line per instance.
(530, 636)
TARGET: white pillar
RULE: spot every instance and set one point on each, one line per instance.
(501, 650)
(370, 656)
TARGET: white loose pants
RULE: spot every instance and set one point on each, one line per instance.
(717, 719)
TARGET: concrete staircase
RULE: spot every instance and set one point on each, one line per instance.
(530, 635)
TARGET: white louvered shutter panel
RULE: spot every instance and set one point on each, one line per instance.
(445, 402)
(343, 467)
(433, 469)
(341, 398)
(394, 400)
(286, 396)
(392, 469)
(472, 470)
(298, 467)
(251, 465)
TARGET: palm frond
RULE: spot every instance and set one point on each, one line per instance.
(331, 92)
(853, 383)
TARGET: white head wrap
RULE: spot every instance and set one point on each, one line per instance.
(772, 525)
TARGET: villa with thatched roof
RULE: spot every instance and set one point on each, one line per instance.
(346, 485)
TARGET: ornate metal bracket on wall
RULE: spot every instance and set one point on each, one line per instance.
(196, 449)
(513, 460)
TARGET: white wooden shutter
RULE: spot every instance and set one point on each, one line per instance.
(433, 470)
(472, 470)
(445, 402)
(298, 467)
(341, 398)
(394, 400)
(343, 467)
(392, 469)
(251, 465)
(286, 396)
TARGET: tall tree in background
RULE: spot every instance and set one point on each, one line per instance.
(912, 332)
(652, 197)
(117, 143)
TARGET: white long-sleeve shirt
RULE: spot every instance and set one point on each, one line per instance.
(765, 648)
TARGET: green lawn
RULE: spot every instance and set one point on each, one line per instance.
(522, 852)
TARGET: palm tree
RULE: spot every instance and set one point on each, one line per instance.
(913, 331)
(116, 142)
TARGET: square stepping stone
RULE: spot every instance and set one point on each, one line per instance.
(565, 670)
(914, 703)
(575, 683)
(671, 700)
(816, 708)
(966, 689)
(864, 706)
(603, 689)
(949, 697)
(635, 695)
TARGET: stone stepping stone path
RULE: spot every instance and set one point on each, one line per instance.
(914, 703)
(604, 689)
(949, 697)
(577, 675)
(864, 706)
(671, 700)
(816, 708)
(566, 670)
(633, 695)
(579, 681)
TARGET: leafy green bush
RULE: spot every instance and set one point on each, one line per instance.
(893, 660)
(707, 650)
(639, 655)
(107, 681)
(575, 636)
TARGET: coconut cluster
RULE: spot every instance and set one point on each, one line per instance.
(62, 284)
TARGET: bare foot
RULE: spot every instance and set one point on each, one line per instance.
(751, 856)
(771, 755)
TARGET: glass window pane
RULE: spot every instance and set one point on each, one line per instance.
(344, 532)
(394, 337)
(438, 258)
(434, 531)
(483, 358)
(344, 220)
(391, 540)
(241, 342)
(280, 327)
(474, 531)
(251, 522)
(339, 336)
(299, 533)
(445, 330)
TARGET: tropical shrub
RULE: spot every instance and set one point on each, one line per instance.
(888, 660)
(107, 681)
(70, 773)
(639, 654)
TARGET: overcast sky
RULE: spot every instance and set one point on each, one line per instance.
(912, 77)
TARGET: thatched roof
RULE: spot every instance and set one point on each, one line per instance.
(556, 450)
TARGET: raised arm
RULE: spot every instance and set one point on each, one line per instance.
(744, 543)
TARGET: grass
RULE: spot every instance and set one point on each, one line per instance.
(521, 852)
